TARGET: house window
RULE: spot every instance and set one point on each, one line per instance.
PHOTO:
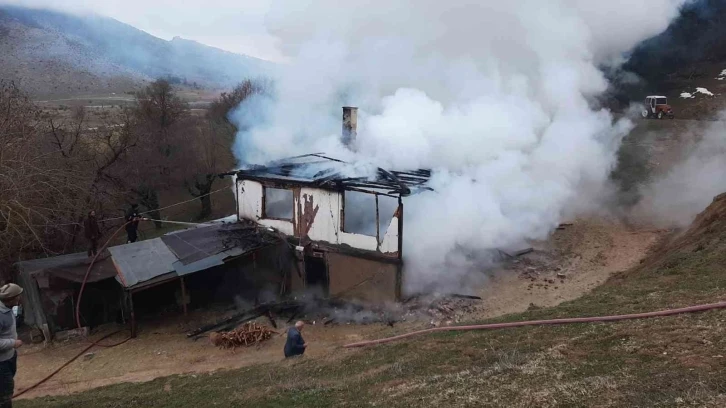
(278, 203)
(367, 214)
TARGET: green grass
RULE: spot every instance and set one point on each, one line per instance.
(663, 362)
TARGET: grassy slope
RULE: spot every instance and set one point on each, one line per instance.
(676, 361)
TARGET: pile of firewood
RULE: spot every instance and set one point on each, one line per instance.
(249, 334)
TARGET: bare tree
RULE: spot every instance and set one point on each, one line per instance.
(37, 187)
(159, 108)
(205, 155)
(220, 108)
(159, 112)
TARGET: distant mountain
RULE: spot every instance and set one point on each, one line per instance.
(51, 53)
(693, 41)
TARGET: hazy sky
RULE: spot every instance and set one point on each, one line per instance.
(233, 25)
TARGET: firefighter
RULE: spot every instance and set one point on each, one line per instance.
(132, 224)
(93, 233)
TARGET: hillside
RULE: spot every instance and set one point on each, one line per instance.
(690, 54)
(664, 362)
(57, 54)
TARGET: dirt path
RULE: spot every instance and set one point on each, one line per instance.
(163, 351)
(585, 254)
(574, 261)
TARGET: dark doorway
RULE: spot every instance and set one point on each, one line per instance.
(316, 275)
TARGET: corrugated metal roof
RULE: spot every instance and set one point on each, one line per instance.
(142, 261)
(72, 267)
(197, 244)
(160, 259)
(210, 261)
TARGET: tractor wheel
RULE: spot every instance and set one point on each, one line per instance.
(660, 115)
(645, 114)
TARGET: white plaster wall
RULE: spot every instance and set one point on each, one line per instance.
(390, 240)
(250, 207)
(327, 225)
(249, 197)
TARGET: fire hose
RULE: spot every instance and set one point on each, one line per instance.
(95, 343)
(78, 319)
(661, 313)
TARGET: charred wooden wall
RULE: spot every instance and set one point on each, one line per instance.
(352, 277)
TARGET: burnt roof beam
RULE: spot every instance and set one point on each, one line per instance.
(387, 174)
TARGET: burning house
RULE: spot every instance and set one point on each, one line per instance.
(309, 223)
(345, 220)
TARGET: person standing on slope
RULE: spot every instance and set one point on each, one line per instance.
(9, 343)
(132, 224)
(295, 345)
(93, 233)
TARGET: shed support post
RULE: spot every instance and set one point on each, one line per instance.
(184, 295)
(133, 315)
(399, 268)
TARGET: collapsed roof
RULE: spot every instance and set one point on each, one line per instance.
(202, 248)
(324, 172)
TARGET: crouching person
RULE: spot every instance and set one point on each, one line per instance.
(295, 345)
(9, 297)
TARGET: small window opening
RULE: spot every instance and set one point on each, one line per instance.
(278, 203)
(362, 213)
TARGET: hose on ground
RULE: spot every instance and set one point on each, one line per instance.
(88, 272)
(95, 343)
(661, 313)
(78, 311)
(78, 320)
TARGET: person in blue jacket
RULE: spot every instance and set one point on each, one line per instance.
(295, 345)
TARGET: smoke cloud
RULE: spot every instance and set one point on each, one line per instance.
(674, 199)
(496, 97)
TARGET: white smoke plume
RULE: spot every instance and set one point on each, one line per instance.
(495, 96)
(675, 198)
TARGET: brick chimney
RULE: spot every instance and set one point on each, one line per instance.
(350, 126)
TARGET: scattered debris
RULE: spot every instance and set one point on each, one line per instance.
(271, 319)
(722, 75)
(466, 296)
(36, 336)
(327, 311)
(523, 252)
(687, 95)
(88, 356)
(250, 334)
(70, 334)
(440, 308)
(504, 256)
(239, 318)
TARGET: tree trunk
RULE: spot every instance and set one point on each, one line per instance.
(150, 200)
(204, 189)
(206, 207)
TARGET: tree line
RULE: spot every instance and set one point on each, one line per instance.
(55, 167)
